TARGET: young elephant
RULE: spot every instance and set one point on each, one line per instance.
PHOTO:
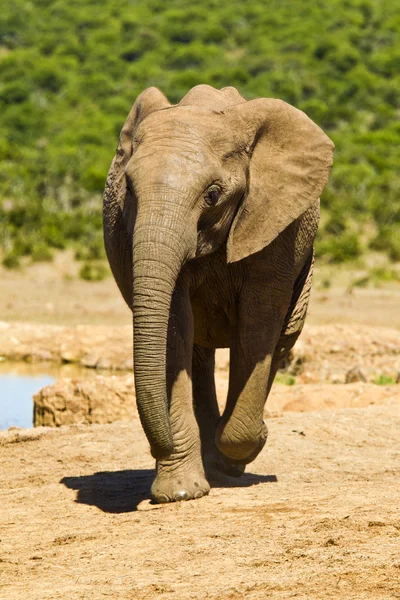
(211, 207)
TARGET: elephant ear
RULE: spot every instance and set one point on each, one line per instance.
(148, 101)
(119, 208)
(290, 160)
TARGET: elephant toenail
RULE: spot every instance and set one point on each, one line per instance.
(199, 494)
(162, 498)
(182, 495)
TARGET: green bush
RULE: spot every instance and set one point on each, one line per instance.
(340, 248)
(11, 261)
(384, 380)
(41, 253)
(92, 250)
(93, 271)
(388, 240)
(285, 379)
(376, 276)
(70, 73)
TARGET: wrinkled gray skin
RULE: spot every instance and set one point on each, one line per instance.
(211, 207)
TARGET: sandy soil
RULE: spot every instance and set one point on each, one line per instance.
(52, 293)
(317, 516)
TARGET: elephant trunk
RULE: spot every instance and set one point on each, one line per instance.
(158, 255)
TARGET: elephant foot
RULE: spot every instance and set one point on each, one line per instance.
(241, 449)
(215, 463)
(179, 483)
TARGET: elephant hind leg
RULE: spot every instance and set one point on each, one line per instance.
(204, 395)
(207, 412)
(296, 314)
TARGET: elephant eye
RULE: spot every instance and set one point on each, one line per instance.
(212, 195)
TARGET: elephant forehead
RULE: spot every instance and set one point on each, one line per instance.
(168, 168)
(187, 125)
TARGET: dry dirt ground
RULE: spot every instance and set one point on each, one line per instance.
(316, 517)
(52, 293)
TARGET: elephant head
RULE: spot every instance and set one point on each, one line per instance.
(211, 171)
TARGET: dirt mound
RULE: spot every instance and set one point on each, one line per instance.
(99, 400)
(108, 399)
(316, 516)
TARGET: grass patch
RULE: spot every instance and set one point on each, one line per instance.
(376, 277)
(285, 379)
(384, 380)
(91, 271)
(41, 253)
(11, 261)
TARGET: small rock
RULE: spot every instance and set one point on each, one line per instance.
(355, 374)
(272, 414)
(296, 365)
(38, 356)
(90, 361)
(104, 363)
(293, 362)
(69, 356)
(335, 349)
(331, 542)
(308, 377)
(127, 365)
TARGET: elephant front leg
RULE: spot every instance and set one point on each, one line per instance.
(242, 433)
(265, 334)
(181, 475)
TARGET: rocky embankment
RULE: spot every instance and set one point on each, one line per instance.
(88, 346)
(354, 358)
(324, 353)
(108, 399)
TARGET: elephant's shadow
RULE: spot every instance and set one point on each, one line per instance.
(122, 491)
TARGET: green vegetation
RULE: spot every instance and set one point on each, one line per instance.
(70, 72)
(376, 276)
(285, 379)
(93, 271)
(384, 380)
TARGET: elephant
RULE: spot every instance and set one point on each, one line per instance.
(210, 211)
